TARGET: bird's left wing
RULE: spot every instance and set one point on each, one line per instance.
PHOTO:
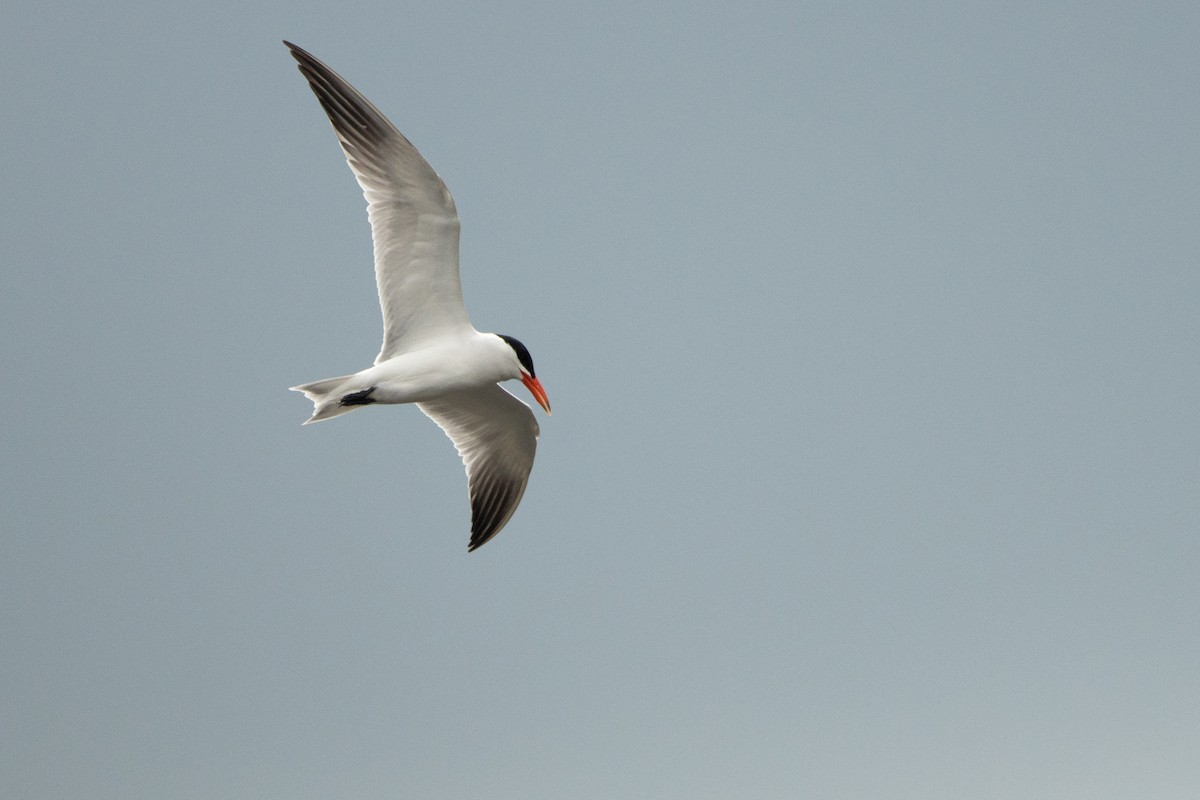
(496, 435)
(414, 223)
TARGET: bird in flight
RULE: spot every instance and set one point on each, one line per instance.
(431, 354)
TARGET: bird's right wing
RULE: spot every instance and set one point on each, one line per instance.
(414, 223)
(496, 435)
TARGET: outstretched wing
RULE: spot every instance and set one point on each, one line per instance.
(496, 435)
(414, 223)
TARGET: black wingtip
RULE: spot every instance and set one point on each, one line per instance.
(479, 539)
(300, 54)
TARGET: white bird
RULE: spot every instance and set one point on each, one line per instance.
(431, 354)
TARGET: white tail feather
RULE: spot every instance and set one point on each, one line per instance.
(327, 398)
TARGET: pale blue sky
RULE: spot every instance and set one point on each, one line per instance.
(872, 334)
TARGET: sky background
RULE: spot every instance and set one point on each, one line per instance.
(872, 333)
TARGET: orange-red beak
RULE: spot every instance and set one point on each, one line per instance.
(535, 388)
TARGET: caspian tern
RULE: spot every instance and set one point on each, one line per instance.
(431, 354)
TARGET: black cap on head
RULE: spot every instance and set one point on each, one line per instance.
(522, 353)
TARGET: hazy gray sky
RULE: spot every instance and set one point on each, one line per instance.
(872, 334)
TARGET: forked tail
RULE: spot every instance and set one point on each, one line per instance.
(327, 396)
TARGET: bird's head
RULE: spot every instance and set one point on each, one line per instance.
(527, 375)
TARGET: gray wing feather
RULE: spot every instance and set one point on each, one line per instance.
(414, 223)
(496, 435)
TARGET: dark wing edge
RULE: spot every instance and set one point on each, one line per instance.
(494, 500)
(366, 135)
(496, 436)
